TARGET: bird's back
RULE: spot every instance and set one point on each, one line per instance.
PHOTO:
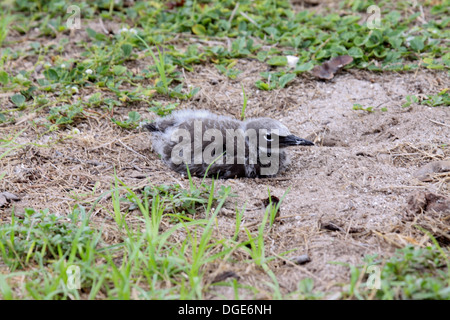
(212, 144)
(165, 131)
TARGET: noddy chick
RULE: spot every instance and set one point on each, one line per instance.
(221, 146)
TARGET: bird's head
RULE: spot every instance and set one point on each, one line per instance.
(271, 132)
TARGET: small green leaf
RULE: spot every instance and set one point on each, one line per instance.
(356, 52)
(119, 70)
(43, 82)
(322, 54)
(262, 55)
(51, 74)
(443, 91)
(262, 85)
(339, 50)
(417, 44)
(131, 122)
(193, 92)
(221, 68)
(285, 79)
(304, 67)
(95, 98)
(278, 61)
(410, 100)
(199, 29)
(375, 39)
(18, 100)
(35, 45)
(91, 33)
(359, 41)
(395, 42)
(432, 64)
(127, 48)
(4, 79)
(133, 116)
(271, 31)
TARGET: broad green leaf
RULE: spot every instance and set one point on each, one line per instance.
(4, 79)
(119, 70)
(95, 98)
(277, 61)
(51, 74)
(126, 49)
(285, 79)
(91, 33)
(304, 67)
(417, 44)
(262, 55)
(18, 99)
(199, 29)
(375, 39)
(262, 85)
(359, 41)
(340, 50)
(356, 52)
(271, 31)
(395, 42)
(133, 116)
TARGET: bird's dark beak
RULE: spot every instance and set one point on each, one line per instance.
(292, 140)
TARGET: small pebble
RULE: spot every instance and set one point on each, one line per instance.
(304, 258)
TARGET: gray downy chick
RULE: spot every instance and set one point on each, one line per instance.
(221, 146)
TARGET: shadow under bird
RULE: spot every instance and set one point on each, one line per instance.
(221, 146)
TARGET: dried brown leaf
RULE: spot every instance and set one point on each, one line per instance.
(327, 70)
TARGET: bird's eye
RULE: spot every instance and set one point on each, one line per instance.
(268, 137)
